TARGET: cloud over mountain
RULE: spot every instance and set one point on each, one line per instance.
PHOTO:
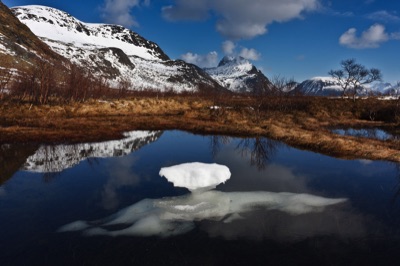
(118, 11)
(239, 19)
(203, 61)
(250, 54)
(228, 47)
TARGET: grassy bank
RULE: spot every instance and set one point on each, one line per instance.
(303, 122)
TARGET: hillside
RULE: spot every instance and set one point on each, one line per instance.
(113, 52)
(20, 48)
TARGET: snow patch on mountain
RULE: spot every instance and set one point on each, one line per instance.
(319, 86)
(53, 24)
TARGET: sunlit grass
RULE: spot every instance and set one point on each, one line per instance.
(303, 122)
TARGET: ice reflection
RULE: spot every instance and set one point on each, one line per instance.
(178, 215)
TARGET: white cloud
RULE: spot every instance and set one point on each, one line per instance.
(371, 38)
(118, 11)
(384, 16)
(240, 19)
(208, 60)
(228, 47)
(250, 54)
(186, 10)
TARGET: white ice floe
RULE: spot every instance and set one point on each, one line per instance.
(177, 215)
(194, 176)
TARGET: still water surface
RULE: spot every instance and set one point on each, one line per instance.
(105, 203)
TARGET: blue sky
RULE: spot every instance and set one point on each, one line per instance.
(292, 38)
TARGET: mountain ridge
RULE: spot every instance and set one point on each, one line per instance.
(113, 52)
(328, 86)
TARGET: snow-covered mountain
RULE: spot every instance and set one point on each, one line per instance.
(319, 86)
(386, 88)
(52, 159)
(112, 51)
(239, 75)
(392, 90)
(328, 86)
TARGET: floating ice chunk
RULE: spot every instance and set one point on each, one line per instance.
(196, 176)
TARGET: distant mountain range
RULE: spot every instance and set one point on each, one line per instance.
(30, 34)
(328, 86)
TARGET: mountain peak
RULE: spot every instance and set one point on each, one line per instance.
(239, 75)
(232, 60)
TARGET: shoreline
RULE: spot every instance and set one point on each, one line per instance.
(97, 121)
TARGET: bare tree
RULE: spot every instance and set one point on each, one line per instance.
(353, 76)
(123, 86)
(282, 85)
(5, 78)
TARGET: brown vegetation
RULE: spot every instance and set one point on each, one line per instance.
(304, 122)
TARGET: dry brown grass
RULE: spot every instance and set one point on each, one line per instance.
(306, 124)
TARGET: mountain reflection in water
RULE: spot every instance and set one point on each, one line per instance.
(50, 158)
(279, 206)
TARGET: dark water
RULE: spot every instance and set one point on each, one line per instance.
(281, 206)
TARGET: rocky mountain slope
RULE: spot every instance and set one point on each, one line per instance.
(113, 52)
(20, 48)
(239, 75)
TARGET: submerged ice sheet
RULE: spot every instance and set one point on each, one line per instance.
(195, 176)
(177, 215)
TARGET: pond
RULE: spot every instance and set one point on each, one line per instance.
(371, 133)
(238, 201)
